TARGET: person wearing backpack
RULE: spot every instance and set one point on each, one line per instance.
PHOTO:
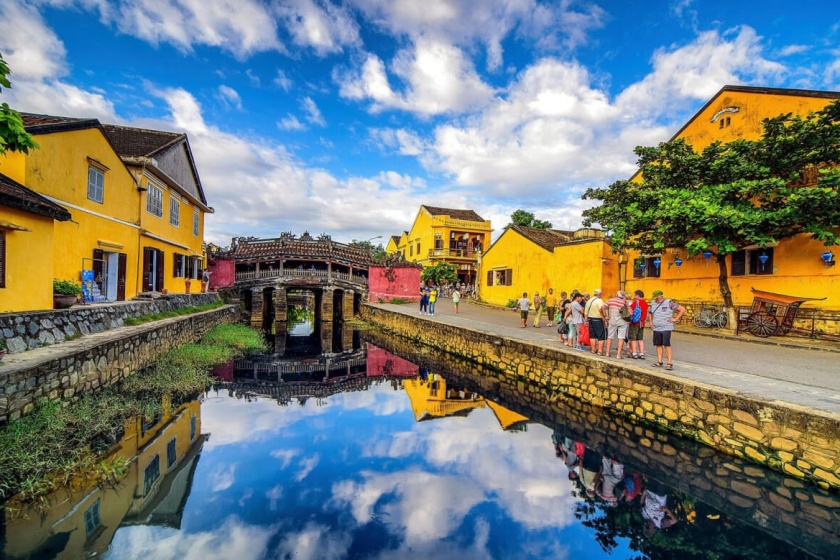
(636, 334)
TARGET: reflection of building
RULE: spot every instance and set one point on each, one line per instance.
(81, 521)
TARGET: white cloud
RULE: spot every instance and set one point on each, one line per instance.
(290, 122)
(405, 141)
(222, 478)
(325, 27)
(282, 81)
(313, 114)
(794, 49)
(253, 78)
(315, 542)
(230, 97)
(438, 78)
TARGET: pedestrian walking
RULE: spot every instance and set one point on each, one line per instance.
(424, 299)
(596, 315)
(205, 280)
(550, 306)
(662, 319)
(456, 298)
(636, 333)
(524, 304)
(538, 309)
(575, 318)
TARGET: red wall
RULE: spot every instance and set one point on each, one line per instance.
(223, 273)
(405, 284)
(382, 362)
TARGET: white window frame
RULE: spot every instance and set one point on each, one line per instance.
(174, 211)
(196, 221)
(154, 200)
(96, 187)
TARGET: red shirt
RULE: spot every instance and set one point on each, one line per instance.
(644, 305)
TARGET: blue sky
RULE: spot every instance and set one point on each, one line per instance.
(345, 117)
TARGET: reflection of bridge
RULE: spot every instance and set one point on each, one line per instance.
(266, 270)
(275, 370)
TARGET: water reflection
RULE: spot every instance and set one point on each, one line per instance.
(366, 454)
(305, 333)
(81, 520)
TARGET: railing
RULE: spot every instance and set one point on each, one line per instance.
(300, 273)
(280, 368)
(454, 253)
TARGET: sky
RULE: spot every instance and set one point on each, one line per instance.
(344, 117)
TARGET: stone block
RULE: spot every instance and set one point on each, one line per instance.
(748, 432)
(755, 455)
(15, 345)
(783, 444)
(828, 477)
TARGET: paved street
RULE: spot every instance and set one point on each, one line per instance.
(797, 375)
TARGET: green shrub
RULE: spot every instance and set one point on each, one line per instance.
(66, 288)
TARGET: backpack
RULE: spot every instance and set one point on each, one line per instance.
(624, 313)
(637, 314)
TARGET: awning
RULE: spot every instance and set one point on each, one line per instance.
(9, 225)
(110, 244)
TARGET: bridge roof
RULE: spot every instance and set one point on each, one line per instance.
(305, 247)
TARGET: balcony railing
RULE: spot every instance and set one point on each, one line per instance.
(299, 273)
(454, 254)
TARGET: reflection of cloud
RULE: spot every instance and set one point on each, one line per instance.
(306, 466)
(274, 495)
(222, 477)
(231, 539)
(315, 541)
(285, 455)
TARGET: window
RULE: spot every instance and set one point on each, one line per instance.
(171, 453)
(192, 427)
(150, 474)
(174, 211)
(645, 267)
(418, 248)
(438, 242)
(500, 277)
(154, 200)
(752, 261)
(92, 520)
(179, 269)
(96, 184)
(411, 250)
(196, 220)
(2, 259)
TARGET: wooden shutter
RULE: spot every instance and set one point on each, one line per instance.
(739, 263)
(121, 273)
(2, 259)
(98, 256)
(509, 277)
(160, 266)
(490, 278)
(147, 269)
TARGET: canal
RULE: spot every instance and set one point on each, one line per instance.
(356, 445)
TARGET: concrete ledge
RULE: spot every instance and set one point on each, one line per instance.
(797, 441)
(64, 371)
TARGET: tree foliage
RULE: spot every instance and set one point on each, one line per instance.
(729, 196)
(13, 136)
(526, 219)
(440, 273)
(376, 251)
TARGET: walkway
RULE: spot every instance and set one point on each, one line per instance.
(797, 375)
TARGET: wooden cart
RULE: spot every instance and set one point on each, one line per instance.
(771, 314)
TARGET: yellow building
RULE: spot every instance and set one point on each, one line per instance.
(27, 221)
(525, 259)
(446, 235)
(393, 244)
(793, 266)
(81, 521)
(137, 203)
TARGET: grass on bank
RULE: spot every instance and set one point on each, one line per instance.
(134, 321)
(44, 450)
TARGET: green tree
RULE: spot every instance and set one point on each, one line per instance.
(729, 196)
(376, 251)
(13, 136)
(440, 273)
(523, 218)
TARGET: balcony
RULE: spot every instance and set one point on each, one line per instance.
(464, 254)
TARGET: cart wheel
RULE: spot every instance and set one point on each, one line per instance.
(762, 324)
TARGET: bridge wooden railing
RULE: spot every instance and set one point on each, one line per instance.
(299, 273)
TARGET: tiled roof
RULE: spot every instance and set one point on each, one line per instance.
(395, 239)
(291, 248)
(548, 239)
(15, 195)
(139, 142)
(455, 214)
(48, 123)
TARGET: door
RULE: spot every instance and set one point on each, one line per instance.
(121, 272)
(159, 270)
(99, 269)
(148, 269)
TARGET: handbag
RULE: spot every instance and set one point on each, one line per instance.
(625, 313)
(583, 334)
(563, 328)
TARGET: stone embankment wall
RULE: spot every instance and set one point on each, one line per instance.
(792, 510)
(23, 331)
(800, 442)
(66, 371)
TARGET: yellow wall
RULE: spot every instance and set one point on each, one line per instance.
(29, 268)
(576, 265)
(392, 246)
(798, 269)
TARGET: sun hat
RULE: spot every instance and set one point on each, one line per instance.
(657, 293)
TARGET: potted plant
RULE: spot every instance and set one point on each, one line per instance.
(65, 293)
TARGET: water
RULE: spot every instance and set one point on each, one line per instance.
(363, 454)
